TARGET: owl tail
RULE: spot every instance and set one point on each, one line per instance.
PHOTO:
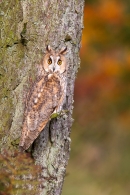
(28, 137)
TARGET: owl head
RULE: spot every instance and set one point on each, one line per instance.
(55, 61)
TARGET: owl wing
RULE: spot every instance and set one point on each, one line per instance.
(42, 101)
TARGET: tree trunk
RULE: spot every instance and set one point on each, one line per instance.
(28, 26)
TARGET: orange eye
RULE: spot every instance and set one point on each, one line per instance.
(59, 62)
(49, 61)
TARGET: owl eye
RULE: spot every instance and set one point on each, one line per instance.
(59, 62)
(49, 61)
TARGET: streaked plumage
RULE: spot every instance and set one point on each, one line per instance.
(46, 97)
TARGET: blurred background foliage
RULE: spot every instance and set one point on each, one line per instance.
(100, 155)
(18, 174)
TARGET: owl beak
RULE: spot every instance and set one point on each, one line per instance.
(53, 68)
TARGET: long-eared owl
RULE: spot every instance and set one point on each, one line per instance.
(46, 97)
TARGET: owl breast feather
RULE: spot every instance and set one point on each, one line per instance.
(41, 103)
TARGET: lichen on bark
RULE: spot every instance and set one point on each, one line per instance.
(27, 27)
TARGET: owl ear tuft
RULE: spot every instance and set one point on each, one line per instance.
(63, 50)
(48, 48)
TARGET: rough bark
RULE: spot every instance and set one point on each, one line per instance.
(27, 27)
